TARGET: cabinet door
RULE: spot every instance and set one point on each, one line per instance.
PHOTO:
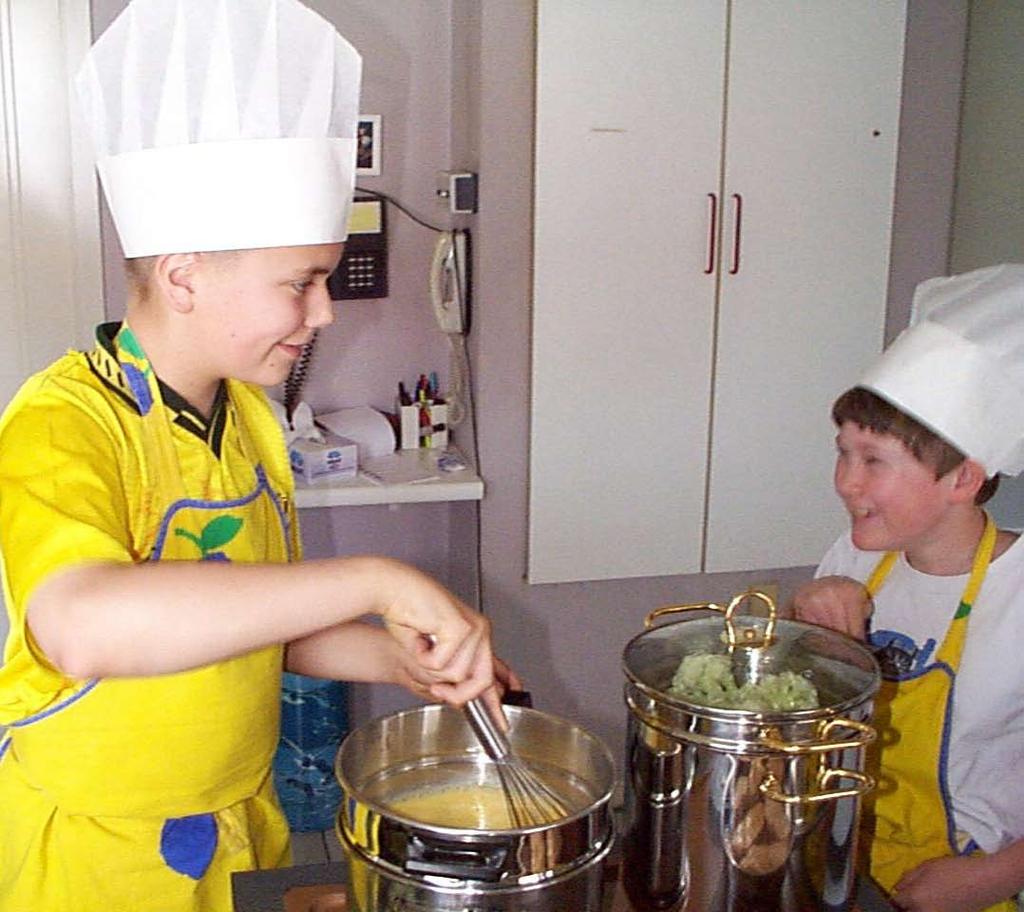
(629, 119)
(813, 106)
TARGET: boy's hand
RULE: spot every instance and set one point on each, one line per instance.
(955, 884)
(419, 680)
(838, 602)
(449, 642)
(507, 679)
(421, 683)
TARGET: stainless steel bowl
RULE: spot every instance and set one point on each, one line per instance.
(424, 865)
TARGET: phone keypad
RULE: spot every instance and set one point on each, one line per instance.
(360, 274)
(361, 271)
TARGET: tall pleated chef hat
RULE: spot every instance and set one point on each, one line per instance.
(959, 367)
(223, 125)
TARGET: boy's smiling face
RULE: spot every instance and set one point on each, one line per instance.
(257, 308)
(894, 500)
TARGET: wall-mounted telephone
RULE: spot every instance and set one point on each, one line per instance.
(363, 270)
(449, 282)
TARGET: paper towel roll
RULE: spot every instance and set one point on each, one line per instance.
(363, 424)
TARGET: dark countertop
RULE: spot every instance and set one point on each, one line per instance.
(263, 891)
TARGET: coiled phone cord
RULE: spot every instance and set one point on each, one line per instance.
(296, 380)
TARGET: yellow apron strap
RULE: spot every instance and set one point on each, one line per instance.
(161, 456)
(953, 645)
(161, 459)
(908, 824)
(880, 572)
(982, 558)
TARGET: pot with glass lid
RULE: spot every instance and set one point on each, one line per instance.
(744, 761)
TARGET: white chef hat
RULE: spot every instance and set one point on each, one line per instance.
(223, 125)
(959, 367)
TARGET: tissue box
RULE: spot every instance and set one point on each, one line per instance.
(336, 457)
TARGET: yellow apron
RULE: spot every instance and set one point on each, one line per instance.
(913, 813)
(146, 793)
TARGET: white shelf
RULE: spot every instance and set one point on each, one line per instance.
(408, 476)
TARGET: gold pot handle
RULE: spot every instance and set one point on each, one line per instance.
(865, 734)
(728, 610)
(664, 610)
(864, 783)
(748, 638)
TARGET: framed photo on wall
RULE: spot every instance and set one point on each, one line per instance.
(368, 144)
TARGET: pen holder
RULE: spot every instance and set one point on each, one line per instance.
(424, 424)
(437, 425)
(409, 426)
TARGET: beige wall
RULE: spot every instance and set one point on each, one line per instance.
(988, 224)
(988, 212)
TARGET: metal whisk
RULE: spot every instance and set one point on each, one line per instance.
(529, 800)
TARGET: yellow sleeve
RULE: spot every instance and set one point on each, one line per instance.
(62, 502)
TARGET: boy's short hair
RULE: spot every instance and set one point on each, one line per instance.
(870, 411)
(138, 270)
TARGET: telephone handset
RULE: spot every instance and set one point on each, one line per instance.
(450, 298)
(449, 282)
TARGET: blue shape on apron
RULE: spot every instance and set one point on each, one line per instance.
(187, 844)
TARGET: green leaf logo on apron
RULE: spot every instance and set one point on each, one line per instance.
(216, 533)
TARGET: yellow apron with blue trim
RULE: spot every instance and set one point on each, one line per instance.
(913, 813)
(146, 793)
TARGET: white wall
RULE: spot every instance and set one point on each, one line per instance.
(50, 272)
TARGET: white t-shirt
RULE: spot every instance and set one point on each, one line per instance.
(913, 611)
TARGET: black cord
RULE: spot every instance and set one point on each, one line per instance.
(297, 378)
(400, 208)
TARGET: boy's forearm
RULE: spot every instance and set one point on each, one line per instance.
(111, 619)
(962, 883)
(354, 651)
(1004, 870)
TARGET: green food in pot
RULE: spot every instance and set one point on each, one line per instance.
(707, 680)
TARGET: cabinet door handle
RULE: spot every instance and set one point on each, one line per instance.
(737, 201)
(712, 232)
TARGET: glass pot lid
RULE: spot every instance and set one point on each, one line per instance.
(842, 670)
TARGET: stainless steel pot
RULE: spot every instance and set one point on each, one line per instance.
(730, 810)
(397, 862)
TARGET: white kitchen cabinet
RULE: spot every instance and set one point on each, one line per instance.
(713, 205)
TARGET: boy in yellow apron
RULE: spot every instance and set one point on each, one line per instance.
(147, 519)
(938, 590)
